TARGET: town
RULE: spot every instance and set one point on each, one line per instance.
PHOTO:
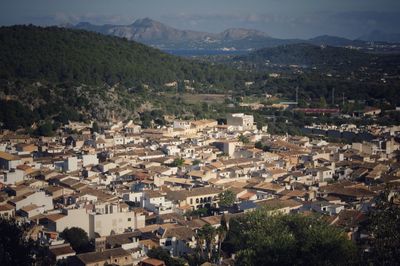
(132, 190)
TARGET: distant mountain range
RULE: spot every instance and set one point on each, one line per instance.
(157, 34)
(381, 36)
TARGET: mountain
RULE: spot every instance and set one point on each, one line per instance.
(162, 36)
(380, 36)
(334, 41)
(308, 55)
(59, 54)
(159, 35)
(145, 30)
(240, 34)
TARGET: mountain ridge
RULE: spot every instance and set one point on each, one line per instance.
(160, 35)
(380, 36)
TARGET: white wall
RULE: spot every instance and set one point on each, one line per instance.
(13, 177)
(117, 222)
(88, 159)
(74, 218)
(71, 164)
(39, 198)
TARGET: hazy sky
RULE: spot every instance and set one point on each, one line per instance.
(278, 18)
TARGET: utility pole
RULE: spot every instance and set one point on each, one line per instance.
(343, 99)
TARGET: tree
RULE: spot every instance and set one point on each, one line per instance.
(259, 145)
(222, 231)
(206, 236)
(196, 162)
(242, 138)
(95, 127)
(162, 254)
(14, 248)
(78, 239)
(201, 212)
(262, 238)
(322, 102)
(384, 225)
(227, 198)
(45, 129)
(178, 162)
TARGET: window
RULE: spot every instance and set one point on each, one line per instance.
(129, 219)
(168, 243)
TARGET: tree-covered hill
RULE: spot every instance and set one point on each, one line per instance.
(50, 75)
(308, 55)
(59, 55)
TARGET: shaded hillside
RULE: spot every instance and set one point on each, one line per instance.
(51, 75)
(335, 41)
(59, 55)
(307, 55)
(381, 36)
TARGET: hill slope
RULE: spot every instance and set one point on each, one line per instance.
(59, 54)
(56, 74)
(380, 36)
(308, 55)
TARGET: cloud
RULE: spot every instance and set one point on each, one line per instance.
(64, 18)
(350, 24)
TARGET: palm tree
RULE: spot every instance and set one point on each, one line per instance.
(207, 234)
(221, 232)
(200, 237)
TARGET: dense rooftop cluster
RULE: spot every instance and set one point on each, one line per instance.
(132, 190)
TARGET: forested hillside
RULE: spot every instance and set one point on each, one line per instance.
(51, 75)
(59, 55)
(308, 55)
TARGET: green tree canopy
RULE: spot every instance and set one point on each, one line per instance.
(260, 238)
(227, 198)
(45, 129)
(384, 225)
(178, 162)
(242, 138)
(162, 254)
(95, 127)
(78, 239)
(14, 248)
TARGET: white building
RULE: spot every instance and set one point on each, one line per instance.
(114, 218)
(156, 202)
(39, 198)
(9, 161)
(89, 159)
(107, 219)
(71, 164)
(240, 121)
(183, 124)
(12, 177)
